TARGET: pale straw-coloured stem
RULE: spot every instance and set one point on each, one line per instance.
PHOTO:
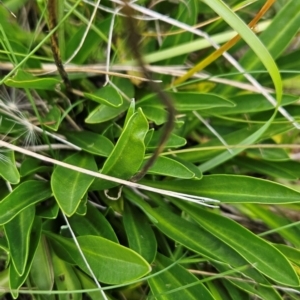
(191, 198)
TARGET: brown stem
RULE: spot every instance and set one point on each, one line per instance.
(134, 45)
(52, 23)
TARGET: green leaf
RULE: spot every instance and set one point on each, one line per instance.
(140, 235)
(251, 39)
(286, 25)
(4, 244)
(65, 278)
(8, 169)
(269, 154)
(232, 189)
(274, 220)
(188, 14)
(103, 113)
(193, 237)
(93, 223)
(16, 281)
(169, 167)
(52, 119)
(288, 171)
(174, 141)
(189, 101)
(262, 255)
(81, 209)
(262, 291)
(291, 253)
(92, 40)
(17, 232)
(130, 111)
(25, 80)
(29, 166)
(110, 262)
(41, 273)
(49, 211)
(88, 283)
(69, 186)
(4, 281)
(234, 293)
(90, 142)
(199, 153)
(170, 284)
(193, 168)
(31, 192)
(128, 154)
(106, 95)
(250, 103)
(156, 114)
(249, 140)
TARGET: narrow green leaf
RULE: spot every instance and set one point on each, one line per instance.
(69, 186)
(262, 255)
(250, 103)
(156, 114)
(4, 281)
(169, 167)
(65, 278)
(251, 39)
(17, 232)
(103, 113)
(93, 223)
(130, 111)
(170, 284)
(193, 168)
(91, 142)
(26, 80)
(88, 283)
(8, 169)
(140, 236)
(4, 244)
(92, 40)
(81, 209)
(275, 220)
(189, 101)
(188, 14)
(41, 272)
(269, 168)
(175, 141)
(291, 253)
(286, 25)
(29, 166)
(49, 211)
(269, 154)
(198, 154)
(232, 189)
(31, 192)
(110, 262)
(52, 119)
(15, 280)
(128, 154)
(106, 95)
(193, 237)
(218, 159)
(233, 292)
(262, 291)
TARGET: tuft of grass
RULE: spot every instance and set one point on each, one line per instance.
(215, 216)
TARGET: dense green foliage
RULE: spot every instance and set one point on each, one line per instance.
(215, 217)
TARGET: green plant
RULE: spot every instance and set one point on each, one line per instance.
(216, 215)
